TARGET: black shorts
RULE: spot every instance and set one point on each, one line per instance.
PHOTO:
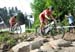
(72, 24)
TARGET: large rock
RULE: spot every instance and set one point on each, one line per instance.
(58, 36)
(60, 42)
(36, 50)
(46, 48)
(21, 47)
(1, 50)
(37, 43)
(68, 49)
(69, 36)
(4, 47)
(73, 44)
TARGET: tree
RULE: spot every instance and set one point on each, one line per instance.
(16, 9)
(20, 18)
(11, 11)
(4, 15)
(26, 20)
(61, 7)
(37, 7)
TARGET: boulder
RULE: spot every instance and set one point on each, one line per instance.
(4, 47)
(62, 42)
(36, 50)
(59, 43)
(46, 48)
(21, 47)
(69, 36)
(36, 43)
(1, 50)
(68, 49)
(73, 43)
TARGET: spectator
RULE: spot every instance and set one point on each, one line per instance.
(70, 21)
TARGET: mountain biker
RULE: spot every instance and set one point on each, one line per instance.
(12, 21)
(45, 16)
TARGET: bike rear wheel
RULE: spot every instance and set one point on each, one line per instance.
(18, 30)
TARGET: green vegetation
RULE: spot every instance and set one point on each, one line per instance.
(37, 7)
(30, 30)
(11, 42)
(5, 37)
(20, 18)
(61, 7)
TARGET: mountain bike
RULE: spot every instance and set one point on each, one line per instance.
(53, 28)
(16, 29)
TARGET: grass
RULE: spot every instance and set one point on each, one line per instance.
(5, 37)
(28, 30)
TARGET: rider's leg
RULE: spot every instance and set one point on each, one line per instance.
(72, 28)
(46, 22)
(41, 22)
(42, 27)
(11, 25)
(15, 25)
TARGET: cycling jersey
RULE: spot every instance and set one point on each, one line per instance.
(12, 21)
(42, 15)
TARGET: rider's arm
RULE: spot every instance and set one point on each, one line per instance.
(47, 17)
(52, 17)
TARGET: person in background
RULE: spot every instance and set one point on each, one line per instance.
(70, 21)
(12, 21)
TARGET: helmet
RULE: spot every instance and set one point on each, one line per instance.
(51, 8)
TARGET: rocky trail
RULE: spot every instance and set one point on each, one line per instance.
(31, 43)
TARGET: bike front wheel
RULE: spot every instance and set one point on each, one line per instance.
(60, 32)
